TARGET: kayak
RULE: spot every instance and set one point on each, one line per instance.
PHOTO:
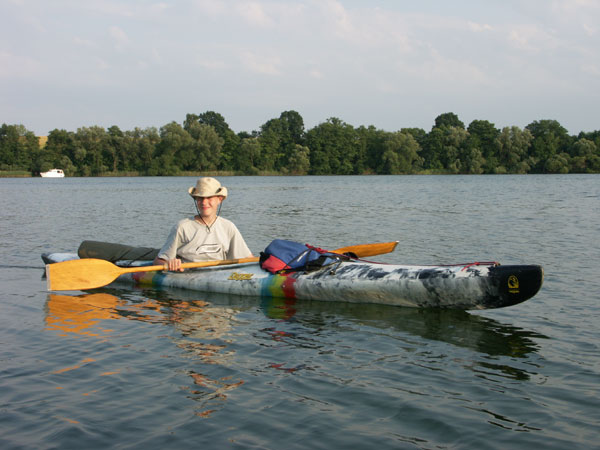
(461, 286)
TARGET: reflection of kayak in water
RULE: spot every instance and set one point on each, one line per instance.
(209, 316)
(458, 328)
(465, 286)
(85, 314)
(206, 322)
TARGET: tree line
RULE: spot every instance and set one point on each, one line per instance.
(205, 143)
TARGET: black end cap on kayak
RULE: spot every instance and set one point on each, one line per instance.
(517, 283)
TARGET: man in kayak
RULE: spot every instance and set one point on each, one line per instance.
(206, 236)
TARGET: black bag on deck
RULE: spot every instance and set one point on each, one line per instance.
(115, 252)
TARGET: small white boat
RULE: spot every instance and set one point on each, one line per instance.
(54, 173)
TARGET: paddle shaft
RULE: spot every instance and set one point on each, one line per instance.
(190, 265)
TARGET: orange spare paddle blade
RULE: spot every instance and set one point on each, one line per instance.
(362, 250)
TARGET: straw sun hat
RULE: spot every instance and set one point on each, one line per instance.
(207, 187)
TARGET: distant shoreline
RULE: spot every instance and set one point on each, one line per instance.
(24, 174)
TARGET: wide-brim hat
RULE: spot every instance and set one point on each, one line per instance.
(207, 187)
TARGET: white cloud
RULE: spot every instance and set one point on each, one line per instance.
(159, 8)
(443, 71)
(101, 64)
(590, 30)
(574, 6)
(315, 73)
(254, 13)
(110, 8)
(213, 64)
(83, 42)
(119, 37)
(591, 69)
(478, 27)
(125, 10)
(211, 8)
(18, 66)
(156, 56)
(262, 65)
(339, 17)
(531, 38)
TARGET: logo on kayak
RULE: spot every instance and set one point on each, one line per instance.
(513, 284)
(240, 276)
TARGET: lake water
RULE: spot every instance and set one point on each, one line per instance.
(142, 368)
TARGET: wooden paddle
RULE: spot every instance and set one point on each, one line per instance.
(89, 273)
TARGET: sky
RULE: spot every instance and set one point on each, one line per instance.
(391, 64)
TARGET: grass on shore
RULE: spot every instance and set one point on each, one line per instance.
(15, 174)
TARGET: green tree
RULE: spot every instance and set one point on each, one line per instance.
(248, 156)
(333, 148)
(444, 149)
(558, 163)
(291, 134)
(95, 142)
(550, 138)
(174, 152)
(433, 149)
(231, 141)
(444, 144)
(140, 149)
(299, 161)
(418, 133)
(481, 146)
(278, 139)
(471, 161)
(448, 119)
(401, 154)
(206, 147)
(19, 147)
(584, 156)
(293, 124)
(115, 148)
(60, 143)
(453, 156)
(513, 147)
(371, 141)
(593, 136)
(271, 138)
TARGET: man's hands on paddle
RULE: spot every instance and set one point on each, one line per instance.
(172, 265)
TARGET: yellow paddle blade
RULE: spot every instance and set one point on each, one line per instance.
(80, 274)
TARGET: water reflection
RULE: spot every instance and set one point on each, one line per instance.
(201, 328)
(486, 336)
(458, 328)
(81, 315)
(207, 328)
(211, 318)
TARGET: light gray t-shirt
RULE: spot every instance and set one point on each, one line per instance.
(191, 241)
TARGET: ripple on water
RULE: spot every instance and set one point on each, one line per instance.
(168, 369)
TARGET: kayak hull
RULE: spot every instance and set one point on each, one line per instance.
(466, 287)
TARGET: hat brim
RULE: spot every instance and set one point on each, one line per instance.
(221, 192)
